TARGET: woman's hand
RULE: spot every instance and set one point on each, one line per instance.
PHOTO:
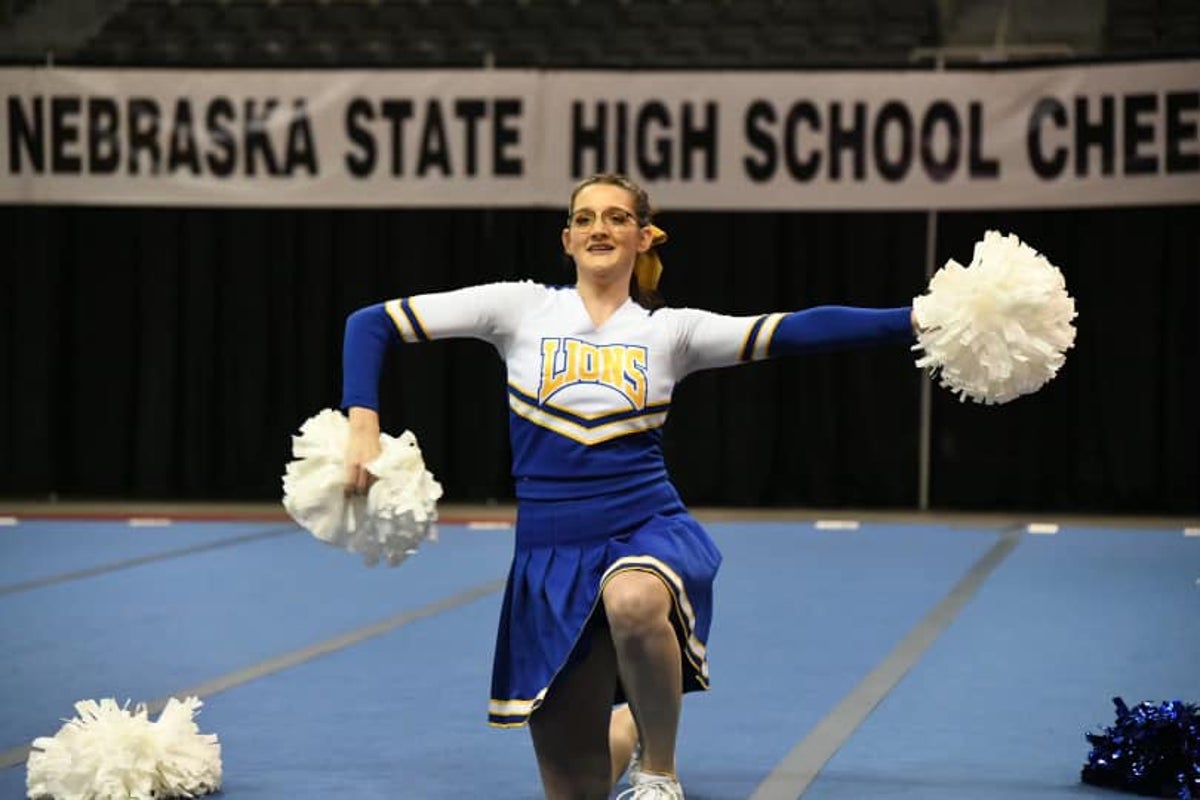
(362, 449)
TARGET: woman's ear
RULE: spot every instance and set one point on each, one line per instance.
(647, 239)
(566, 240)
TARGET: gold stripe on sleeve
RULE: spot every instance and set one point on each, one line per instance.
(400, 320)
(766, 334)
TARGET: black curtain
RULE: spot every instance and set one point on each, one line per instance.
(171, 353)
(1119, 429)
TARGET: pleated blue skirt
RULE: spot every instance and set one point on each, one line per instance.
(565, 551)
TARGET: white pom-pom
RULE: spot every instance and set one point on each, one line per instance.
(999, 328)
(110, 753)
(398, 511)
(189, 760)
(402, 503)
(314, 483)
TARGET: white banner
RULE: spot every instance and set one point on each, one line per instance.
(1071, 136)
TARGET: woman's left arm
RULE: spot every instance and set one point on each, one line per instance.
(823, 328)
(704, 340)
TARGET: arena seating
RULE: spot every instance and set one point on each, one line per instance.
(1142, 27)
(513, 33)
(10, 9)
(621, 34)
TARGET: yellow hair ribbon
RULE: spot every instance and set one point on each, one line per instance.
(648, 267)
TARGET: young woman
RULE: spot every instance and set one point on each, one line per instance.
(609, 598)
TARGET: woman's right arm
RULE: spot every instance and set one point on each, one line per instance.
(369, 333)
(489, 312)
(362, 449)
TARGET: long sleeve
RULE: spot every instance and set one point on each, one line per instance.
(704, 340)
(489, 312)
(833, 327)
(369, 334)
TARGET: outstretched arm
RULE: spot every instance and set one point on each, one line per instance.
(705, 340)
(833, 327)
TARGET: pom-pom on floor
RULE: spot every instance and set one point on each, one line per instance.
(899, 658)
(1152, 749)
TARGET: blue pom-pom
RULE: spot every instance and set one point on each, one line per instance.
(1152, 750)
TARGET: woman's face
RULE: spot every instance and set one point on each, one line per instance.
(603, 234)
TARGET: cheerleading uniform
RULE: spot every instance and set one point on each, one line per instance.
(586, 409)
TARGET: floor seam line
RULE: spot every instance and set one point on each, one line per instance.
(792, 776)
(18, 755)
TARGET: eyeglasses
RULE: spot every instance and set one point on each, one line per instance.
(613, 217)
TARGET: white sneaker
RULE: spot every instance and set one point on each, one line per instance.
(653, 787)
(634, 771)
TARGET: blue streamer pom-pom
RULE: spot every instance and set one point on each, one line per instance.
(1152, 750)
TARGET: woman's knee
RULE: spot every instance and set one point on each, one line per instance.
(636, 603)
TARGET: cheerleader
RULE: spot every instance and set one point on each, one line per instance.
(608, 606)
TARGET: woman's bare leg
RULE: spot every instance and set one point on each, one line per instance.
(638, 606)
(622, 738)
(570, 729)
